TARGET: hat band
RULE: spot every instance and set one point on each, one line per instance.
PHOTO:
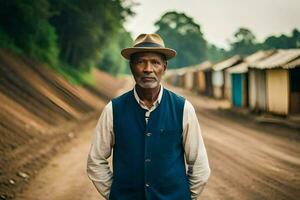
(148, 44)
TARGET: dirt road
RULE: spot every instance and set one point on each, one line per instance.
(248, 161)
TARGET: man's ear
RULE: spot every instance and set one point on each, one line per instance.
(165, 67)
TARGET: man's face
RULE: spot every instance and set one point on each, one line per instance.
(147, 69)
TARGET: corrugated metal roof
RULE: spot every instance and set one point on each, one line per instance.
(255, 57)
(227, 63)
(183, 70)
(259, 55)
(170, 72)
(280, 58)
(293, 64)
(190, 68)
(207, 65)
(238, 69)
(204, 65)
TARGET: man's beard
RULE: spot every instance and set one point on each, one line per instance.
(148, 84)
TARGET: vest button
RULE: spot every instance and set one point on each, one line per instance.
(147, 185)
(148, 160)
(148, 134)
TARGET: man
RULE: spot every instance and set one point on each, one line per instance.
(152, 132)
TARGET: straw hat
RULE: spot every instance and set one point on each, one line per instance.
(148, 43)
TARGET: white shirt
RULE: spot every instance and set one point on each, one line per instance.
(100, 173)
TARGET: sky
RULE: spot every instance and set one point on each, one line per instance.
(220, 19)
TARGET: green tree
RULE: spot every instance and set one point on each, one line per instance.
(85, 26)
(296, 38)
(111, 60)
(24, 26)
(283, 41)
(244, 43)
(215, 54)
(181, 33)
(245, 35)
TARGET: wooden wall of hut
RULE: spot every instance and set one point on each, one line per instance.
(218, 84)
(257, 90)
(199, 82)
(227, 85)
(181, 80)
(188, 80)
(278, 91)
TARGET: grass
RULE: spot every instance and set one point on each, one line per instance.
(75, 76)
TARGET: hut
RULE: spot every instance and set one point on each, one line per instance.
(294, 69)
(221, 79)
(188, 77)
(239, 78)
(171, 77)
(174, 77)
(281, 71)
(202, 82)
(239, 84)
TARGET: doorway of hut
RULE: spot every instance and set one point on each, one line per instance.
(295, 90)
(239, 90)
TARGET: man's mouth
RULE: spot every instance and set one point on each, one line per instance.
(148, 79)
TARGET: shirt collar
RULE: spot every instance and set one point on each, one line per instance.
(156, 102)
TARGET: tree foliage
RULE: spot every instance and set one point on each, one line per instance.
(24, 26)
(244, 42)
(84, 27)
(72, 33)
(110, 60)
(283, 41)
(215, 54)
(181, 33)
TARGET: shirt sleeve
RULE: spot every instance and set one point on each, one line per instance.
(195, 153)
(98, 169)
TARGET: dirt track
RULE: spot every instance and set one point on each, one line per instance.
(248, 161)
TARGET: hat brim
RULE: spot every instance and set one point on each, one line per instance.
(169, 53)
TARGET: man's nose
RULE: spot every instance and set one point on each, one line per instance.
(148, 68)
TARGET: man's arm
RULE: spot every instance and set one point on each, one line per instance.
(98, 169)
(195, 152)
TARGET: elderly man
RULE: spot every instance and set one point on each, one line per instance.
(153, 133)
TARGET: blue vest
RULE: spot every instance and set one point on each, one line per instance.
(148, 158)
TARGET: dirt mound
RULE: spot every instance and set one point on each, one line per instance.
(106, 91)
(39, 112)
